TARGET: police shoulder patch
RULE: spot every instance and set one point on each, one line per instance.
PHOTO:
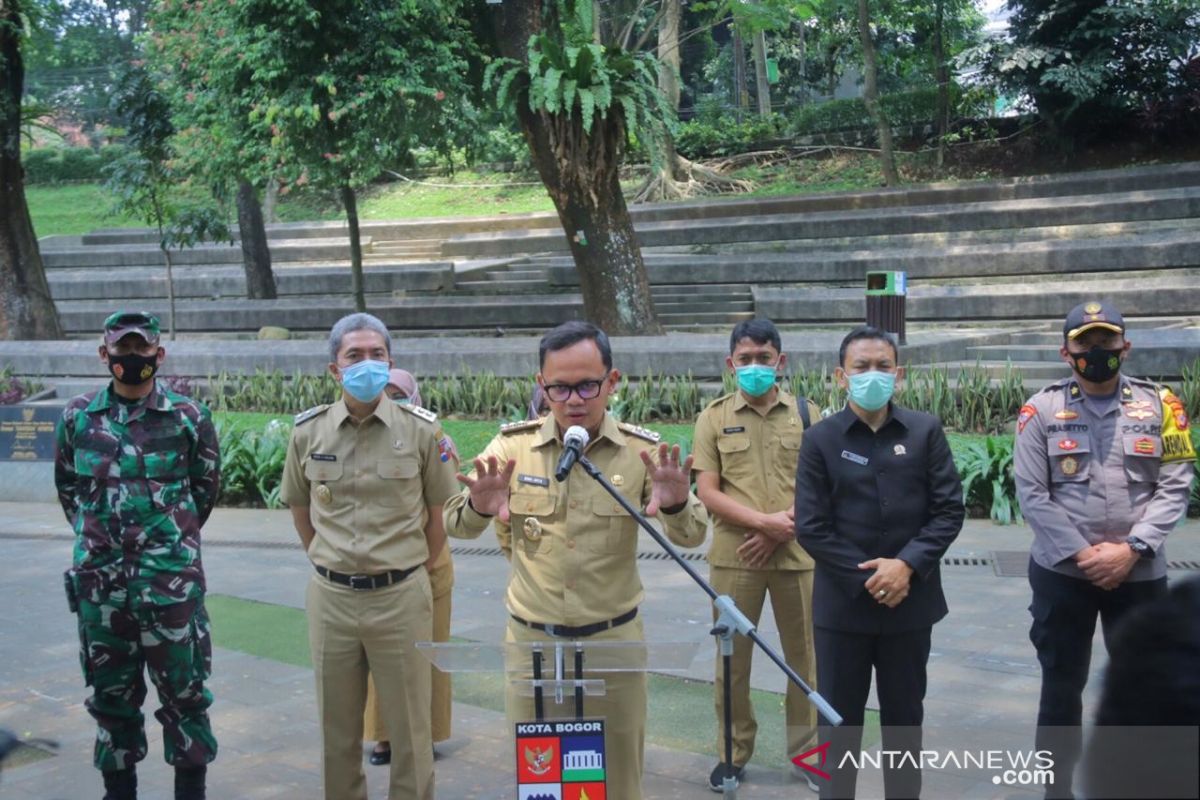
(312, 413)
(520, 426)
(423, 413)
(639, 432)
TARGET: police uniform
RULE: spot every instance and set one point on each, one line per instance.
(573, 551)
(369, 486)
(1093, 470)
(137, 480)
(754, 452)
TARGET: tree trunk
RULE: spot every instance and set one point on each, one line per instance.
(166, 251)
(740, 96)
(270, 202)
(887, 158)
(761, 83)
(256, 253)
(581, 173)
(350, 203)
(942, 75)
(26, 309)
(802, 43)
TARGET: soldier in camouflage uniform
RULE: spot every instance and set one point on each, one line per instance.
(137, 471)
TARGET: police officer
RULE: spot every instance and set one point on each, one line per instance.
(137, 471)
(746, 445)
(1103, 466)
(366, 479)
(573, 548)
(402, 388)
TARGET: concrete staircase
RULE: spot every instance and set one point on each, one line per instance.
(1011, 255)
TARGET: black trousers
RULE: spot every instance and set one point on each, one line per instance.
(844, 664)
(1064, 613)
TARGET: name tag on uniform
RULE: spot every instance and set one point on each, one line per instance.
(738, 429)
(323, 457)
(533, 480)
(856, 458)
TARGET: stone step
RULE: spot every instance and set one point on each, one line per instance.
(1034, 259)
(138, 283)
(108, 257)
(1029, 370)
(704, 319)
(501, 275)
(497, 287)
(1148, 178)
(705, 306)
(1002, 214)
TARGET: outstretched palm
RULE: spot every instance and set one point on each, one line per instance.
(670, 480)
(489, 487)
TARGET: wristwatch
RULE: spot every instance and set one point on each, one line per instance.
(1138, 546)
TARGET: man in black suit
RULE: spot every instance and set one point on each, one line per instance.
(878, 501)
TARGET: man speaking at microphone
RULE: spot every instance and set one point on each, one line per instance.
(573, 548)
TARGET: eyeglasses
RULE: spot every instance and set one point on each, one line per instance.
(561, 392)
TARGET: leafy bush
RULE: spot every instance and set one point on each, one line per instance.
(56, 165)
(252, 465)
(918, 107)
(986, 469)
(725, 135)
(271, 392)
(13, 390)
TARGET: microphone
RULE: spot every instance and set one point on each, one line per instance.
(574, 441)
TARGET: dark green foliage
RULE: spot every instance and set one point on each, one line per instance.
(989, 488)
(252, 464)
(903, 109)
(726, 136)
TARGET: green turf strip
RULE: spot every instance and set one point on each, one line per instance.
(681, 714)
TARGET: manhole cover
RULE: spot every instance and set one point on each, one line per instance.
(1010, 563)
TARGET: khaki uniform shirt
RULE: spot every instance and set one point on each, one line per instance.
(1091, 471)
(755, 454)
(573, 548)
(368, 485)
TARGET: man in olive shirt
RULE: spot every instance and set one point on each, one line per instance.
(745, 448)
(365, 480)
(573, 548)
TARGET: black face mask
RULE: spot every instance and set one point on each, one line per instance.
(1097, 365)
(133, 369)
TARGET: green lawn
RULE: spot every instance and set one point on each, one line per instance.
(80, 208)
(680, 711)
(72, 209)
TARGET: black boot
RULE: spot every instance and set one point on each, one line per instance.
(120, 784)
(189, 783)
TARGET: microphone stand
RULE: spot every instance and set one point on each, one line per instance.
(730, 621)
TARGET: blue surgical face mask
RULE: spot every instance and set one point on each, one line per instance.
(365, 380)
(755, 379)
(871, 391)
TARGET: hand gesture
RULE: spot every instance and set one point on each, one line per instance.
(489, 487)
(890, 583)
(757, 549)
(1108, 564)
(671, 480)
(780, 526)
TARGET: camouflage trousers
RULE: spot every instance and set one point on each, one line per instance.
(118, 645)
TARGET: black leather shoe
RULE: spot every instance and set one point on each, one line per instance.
(380, 757)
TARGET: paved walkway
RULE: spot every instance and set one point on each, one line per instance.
(983, 676)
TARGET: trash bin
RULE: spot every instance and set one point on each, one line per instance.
(886, 292)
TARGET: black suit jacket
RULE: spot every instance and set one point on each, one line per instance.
(894, 493)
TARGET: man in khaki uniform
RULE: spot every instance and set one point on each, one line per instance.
(573, 548)
(745, 447)
(365, 481)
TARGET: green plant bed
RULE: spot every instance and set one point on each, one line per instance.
(72, 209)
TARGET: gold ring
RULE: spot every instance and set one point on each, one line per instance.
(883, 592)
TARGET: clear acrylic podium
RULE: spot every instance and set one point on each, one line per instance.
(563, 670)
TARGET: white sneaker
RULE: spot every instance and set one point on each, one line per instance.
(806, 776)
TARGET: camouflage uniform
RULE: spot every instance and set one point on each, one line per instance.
(137, 481)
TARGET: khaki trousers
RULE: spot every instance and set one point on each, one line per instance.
(350, 632)
(623, 707)
(791, 601)
(441, 581)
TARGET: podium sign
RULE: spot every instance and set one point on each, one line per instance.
(561, 760)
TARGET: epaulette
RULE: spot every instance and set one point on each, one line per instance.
(423, 413)
(639, 432)
(719, 400)
(509, 428)
(305, 416)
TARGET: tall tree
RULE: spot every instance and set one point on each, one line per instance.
(887, 156)
(207, 81)
(26, 308)
(577, 101)
(339, 90)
